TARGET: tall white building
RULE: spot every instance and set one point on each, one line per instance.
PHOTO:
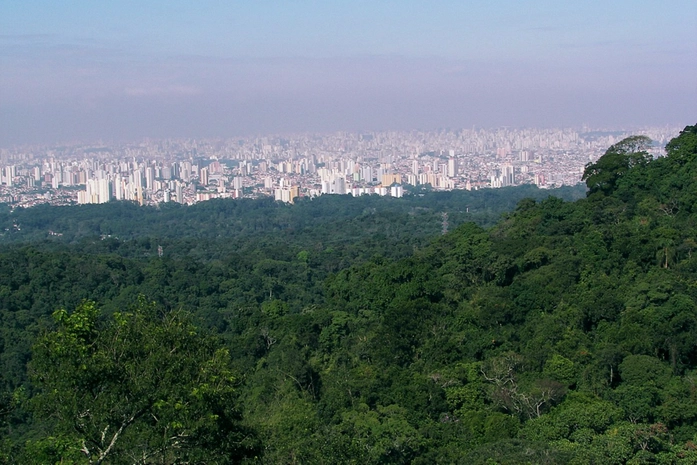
(507, 175)
(96, 191)
(179, 192)
(453, 167)
(149, 178)
(118, 188)
(104, 191)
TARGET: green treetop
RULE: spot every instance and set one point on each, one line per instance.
(140, 387)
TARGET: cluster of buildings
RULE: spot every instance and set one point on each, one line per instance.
(305, 165)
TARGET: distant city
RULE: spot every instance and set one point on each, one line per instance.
(306, 165)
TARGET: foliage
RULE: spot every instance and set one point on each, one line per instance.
(564, 333)
(137, 388)
(603, 175)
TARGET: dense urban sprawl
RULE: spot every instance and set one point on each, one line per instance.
(291, 166)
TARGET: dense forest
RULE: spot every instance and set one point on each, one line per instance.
(343, 330)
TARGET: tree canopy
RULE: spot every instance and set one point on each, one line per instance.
(564, 333)
(602, 176)
(138, 387)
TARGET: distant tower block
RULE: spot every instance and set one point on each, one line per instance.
(508, 175)
(180, 193)
(204, 176)
(453, 167)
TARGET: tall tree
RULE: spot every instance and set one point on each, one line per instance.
(139, 387)
(602, 176)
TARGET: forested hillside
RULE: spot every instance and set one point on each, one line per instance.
(564, 333)
(363, 222)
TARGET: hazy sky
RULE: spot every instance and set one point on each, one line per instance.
(125, 69)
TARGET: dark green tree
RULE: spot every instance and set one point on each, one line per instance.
(683, 148)
(140, 387)
(602, 176)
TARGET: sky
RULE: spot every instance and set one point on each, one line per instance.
(126, 70)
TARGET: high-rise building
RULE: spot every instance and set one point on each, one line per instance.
(137, 178)
(179, 192)
(507, 175)
(453, 167)
(185, 174)
(149, 178)
(338, 186)
(96, 191)
(389, 179)
(118, 188)
(104, 190)
(294, 193)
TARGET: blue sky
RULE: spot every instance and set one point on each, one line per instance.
(124, 69)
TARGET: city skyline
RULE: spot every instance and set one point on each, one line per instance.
(388, 163)
(126, 71)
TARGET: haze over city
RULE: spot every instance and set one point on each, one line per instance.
(81, 70)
